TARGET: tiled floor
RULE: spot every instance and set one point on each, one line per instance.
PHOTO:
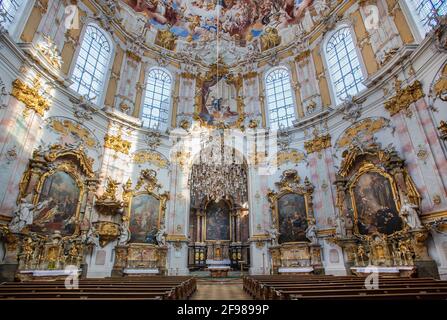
(230, 289)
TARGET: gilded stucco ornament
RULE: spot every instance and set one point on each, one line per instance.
(30, 96)
(318, 143)
(49, 50)
(108, 203)
(150, 156)
(117, 143)
(443, 130)
(166, 39)
(107, 231)
(404, 97)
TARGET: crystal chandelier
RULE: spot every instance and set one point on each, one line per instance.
(218, 174)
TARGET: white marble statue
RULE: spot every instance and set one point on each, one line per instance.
(273, 233)
(161, 236)
(339, 225)
(311, 233)
(410, 215)
(124, 234)
(24, 214)
(92, 236)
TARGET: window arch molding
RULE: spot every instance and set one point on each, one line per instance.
(329, 74)
(155, 114)
(284, 99)
(108, 65)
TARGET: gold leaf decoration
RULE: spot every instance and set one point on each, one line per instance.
(30, 97)
(117, 143)
(404, 97)
(153, 157)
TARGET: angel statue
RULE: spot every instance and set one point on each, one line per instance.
(124, 234)
(311, 233)
(161, 236)
(410, 215)
(92, 236)
(273, 233)
(24, 214)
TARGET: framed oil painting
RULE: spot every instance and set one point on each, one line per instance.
(217, 221)
(292, 218)
(374, 205)
(144, 218)
(61, 192)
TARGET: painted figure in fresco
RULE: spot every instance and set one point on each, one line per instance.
(240, 20)
(410, 215)
(144, 218)
(24, 214)
(62, 193)
(292, 218)
(375, 204)
(217, 221)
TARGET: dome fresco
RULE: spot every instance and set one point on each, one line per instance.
(230, 28)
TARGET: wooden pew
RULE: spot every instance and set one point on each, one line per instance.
(154, 287)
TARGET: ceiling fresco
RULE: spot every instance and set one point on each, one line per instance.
(230, 28)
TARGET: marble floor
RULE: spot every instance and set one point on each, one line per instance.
(220, 289)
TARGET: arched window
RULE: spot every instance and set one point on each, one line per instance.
(157, 99)
(91, 65)
(425, 12)
(280, 104)
(344, 64)
(8, 11)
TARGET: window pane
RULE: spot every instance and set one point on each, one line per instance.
(279, 98)
(91, 65)
(8, 11)
(344, 64)
(156, 99)
(426, 10)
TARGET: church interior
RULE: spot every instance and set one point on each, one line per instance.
(212, 149)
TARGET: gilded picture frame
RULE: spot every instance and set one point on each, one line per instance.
(366, 168)
(148, 184)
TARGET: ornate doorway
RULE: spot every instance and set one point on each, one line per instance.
(218, 228)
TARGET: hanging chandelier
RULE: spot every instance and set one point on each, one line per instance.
(218, 174)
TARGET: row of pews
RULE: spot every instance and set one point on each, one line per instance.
(141, 288)
(301, 287)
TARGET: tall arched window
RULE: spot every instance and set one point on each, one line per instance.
(280, 104)
(344, 64)
(157, 99)
(8, 11)
(425, 11)
(91, 65)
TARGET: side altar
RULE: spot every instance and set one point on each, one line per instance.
(295, 248)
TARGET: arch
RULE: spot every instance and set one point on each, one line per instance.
(157, 99)
(343, 62)
(280, 104)
(91, 67)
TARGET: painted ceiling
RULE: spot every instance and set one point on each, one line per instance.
(229, 29)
